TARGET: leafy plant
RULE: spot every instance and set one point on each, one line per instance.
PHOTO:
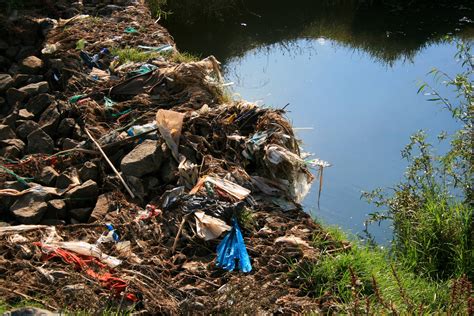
(432, 209)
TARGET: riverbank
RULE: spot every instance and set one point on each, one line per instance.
(165, 264)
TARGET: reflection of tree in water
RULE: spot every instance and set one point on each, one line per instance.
(388, 33)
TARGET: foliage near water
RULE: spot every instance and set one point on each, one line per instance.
(432, 209)
(364, 280)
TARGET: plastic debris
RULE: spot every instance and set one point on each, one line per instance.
(170, 124)
(108, 103)
(140, 129)
(233, 190)
(82, 248)
(159, 49)
(144, 69)
(76, 98)
(131, 30)
(231, 249)
(209, 227)
(80, 44)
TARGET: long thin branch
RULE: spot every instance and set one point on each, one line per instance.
(110, 164)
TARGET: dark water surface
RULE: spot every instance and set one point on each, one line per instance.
(350, 73)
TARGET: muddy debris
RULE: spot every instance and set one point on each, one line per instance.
(135, 183)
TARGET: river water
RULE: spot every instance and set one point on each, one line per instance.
(350, 74)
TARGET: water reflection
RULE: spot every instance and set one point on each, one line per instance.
(386, 33)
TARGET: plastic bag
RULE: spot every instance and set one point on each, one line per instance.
(232, 249)
(209, 227)
(170, 124)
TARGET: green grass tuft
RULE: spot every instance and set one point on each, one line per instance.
(129, 54)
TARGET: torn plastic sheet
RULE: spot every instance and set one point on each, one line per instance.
(231, 188)
(170, 124)
(209, 227)
(170, 196)
(143, 69)
(231, 249)
(159, 49)
(82, 248)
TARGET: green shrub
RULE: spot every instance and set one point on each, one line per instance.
(432, 209)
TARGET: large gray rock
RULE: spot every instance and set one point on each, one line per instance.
(49, 120)
(66, 127)
(30, 208)
(39, 142)
(103, 205)
(6, 82)
(39, 103)
(20, 80)
(86, 191)
(31, 65)
(81, 214)
(89, 171)
(25, 128)
(35, 88)
(12, 148)
(6, 132)
(143, 159)
(67, 178)
(48, 176)
(57, 209)
(15, 96)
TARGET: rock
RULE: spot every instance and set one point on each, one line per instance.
(39, 142)
(6, 81)
(168, 171)
(12, 51)
(35, 88)
(89, 171)
(15, 96)
(11, 119)
(30, 207)
(66, 127)
(102, 207)
(88, 190)
(24, 129)
(57, 209)
(48, 176)
(3, 105)
(24, 114)
(136, 185)
(69, 143)
(81, 214)
(26, 51)
(20, 80)
(39, 103)
(31, 65)
(143, 159)
(49, 120)
(6, 132)
(67, 178)
(14, 69)
(6, 201)
(29, 311)
(13, 148)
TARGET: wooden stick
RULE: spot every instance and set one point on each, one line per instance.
(179, 233)
(110, 164)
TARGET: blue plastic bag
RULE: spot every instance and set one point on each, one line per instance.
(232, 248)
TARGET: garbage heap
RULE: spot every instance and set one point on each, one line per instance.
(130, 181)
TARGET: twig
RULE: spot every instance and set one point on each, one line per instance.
(110, 164)
(83, 150)
(179, 233)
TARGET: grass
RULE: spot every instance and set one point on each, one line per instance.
(129, 54)
(365, 280)
(435, 240)
(5, 307)
(183, 57)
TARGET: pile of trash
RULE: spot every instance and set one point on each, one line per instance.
(130, 181)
